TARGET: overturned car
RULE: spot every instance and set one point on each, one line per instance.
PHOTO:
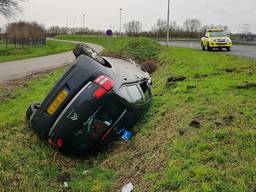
(96, 99)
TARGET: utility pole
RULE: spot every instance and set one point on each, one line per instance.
(67, 22)
(168, 24)
(83, 21)
(120, 27)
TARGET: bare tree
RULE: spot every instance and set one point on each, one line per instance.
(160, 28)
(133, 28)
(192, 25)
(56, 30)
(25, 33)
(9, 8)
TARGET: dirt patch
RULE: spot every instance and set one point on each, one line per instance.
(230, 70)
(150, 66)
(172, 81)
(228, 120)
(195, 124)
(247, 85)
(64, 177)
(176, 78)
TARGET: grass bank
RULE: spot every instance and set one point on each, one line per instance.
(199, 134)
(140, 49)
(51, 47)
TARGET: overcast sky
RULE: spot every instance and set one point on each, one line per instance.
(102, 14)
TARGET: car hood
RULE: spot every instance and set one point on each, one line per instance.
(219, 38)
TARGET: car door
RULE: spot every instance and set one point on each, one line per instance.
(205, 39)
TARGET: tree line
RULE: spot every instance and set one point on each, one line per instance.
(191, 28)
(24, 34)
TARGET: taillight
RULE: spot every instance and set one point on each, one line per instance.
(105, 83)
(59, 143)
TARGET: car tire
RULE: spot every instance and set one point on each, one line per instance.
(32, 110)
(83, 49)
(228, 49)
(208, 47)
(202, 47)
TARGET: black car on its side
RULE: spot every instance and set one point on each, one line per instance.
(96, 98)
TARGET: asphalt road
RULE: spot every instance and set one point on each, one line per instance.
(21, 68)
(239, 50)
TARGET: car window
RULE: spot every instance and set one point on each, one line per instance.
(132, 94)
(109, 112)
(105, 117)
(145, 89)
(218, 34)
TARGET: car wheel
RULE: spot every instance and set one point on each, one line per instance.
(228, 49)
(208, 47)
(32, 109)
(202, 47)
(83, 49)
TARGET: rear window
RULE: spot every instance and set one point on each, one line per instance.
(145, 89)
(102, 120)
(133, 93)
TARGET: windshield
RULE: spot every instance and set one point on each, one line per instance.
(217, 34)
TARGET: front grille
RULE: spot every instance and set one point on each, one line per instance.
(221, 43)
(222, 40)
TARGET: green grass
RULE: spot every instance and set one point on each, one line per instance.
(167, 154)
(111, 45)
(51, 47)
(138, 48)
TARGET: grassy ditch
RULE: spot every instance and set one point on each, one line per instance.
(199, 134)
(51, 47)
(139, 49)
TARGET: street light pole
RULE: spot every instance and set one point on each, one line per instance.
(168, 24)
(83, 21)
(120, 29)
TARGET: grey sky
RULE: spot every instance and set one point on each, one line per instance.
(102, 14)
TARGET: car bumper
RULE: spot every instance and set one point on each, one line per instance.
(220, 45)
